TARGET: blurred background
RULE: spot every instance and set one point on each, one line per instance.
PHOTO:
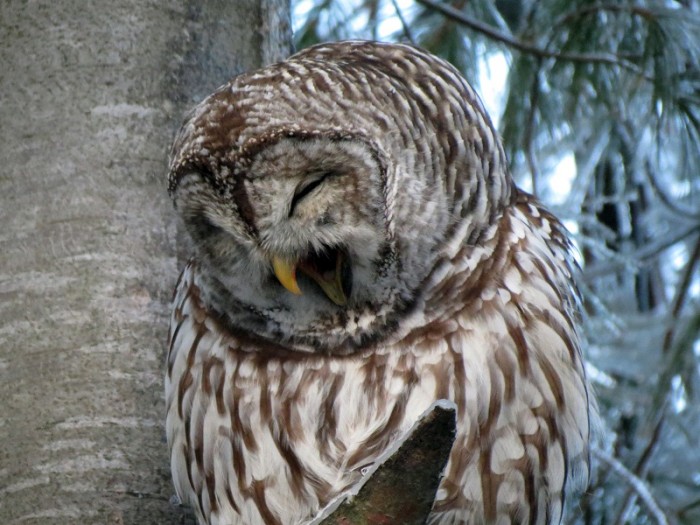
(598, 104)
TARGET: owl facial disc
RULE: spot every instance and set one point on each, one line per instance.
(329, 269)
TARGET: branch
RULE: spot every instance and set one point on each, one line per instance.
(400, 487)
(529, 141)
(588, 10)
(525, 47)
(406, 30)
(640, 470)
(681, 293)
(667, 201)
(646, 252)
(637, 484)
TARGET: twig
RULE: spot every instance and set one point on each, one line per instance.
(668, 201)
(643, 463)
(373, 8)
(596, 8)
(688, 507)
(529, 141)
(640, 469)
(681, 293)
(404, 25)
(525, 47)
(637, 484)
(646, 252)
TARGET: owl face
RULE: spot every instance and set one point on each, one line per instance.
(299, 239)
(323, 191)
(312, 225)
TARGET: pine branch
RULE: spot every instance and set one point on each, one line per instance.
(681, 293)
(642, 254)
(404, 25)
(637, 484)
(526, 47)
(667, 200)
(588, 10)
(640, 471)
(529, 131)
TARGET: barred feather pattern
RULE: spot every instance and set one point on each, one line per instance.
(276, 403)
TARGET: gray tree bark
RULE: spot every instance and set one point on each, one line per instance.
(91, 94)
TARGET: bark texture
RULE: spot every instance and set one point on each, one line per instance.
(90, 96)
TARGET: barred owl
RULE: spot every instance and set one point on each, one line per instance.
(361, 251)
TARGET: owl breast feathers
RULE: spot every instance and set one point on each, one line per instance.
(361, 251)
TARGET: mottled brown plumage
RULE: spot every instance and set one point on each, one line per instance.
(361, 253)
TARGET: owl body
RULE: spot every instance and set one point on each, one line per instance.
(362, 253)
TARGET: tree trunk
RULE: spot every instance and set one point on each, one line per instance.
(91, 94)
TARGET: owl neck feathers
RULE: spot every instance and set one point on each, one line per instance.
(473, 264)
(468, 264)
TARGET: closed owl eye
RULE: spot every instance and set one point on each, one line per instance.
(304, 188)
(203, 225)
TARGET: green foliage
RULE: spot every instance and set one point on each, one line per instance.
(616, 85)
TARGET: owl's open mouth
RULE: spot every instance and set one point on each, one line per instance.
(330, 269)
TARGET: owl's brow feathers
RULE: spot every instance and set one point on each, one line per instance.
(227, 176)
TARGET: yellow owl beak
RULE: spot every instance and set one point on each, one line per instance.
(330, 281)
(286, 273)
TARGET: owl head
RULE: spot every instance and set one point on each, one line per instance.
(322, 192)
